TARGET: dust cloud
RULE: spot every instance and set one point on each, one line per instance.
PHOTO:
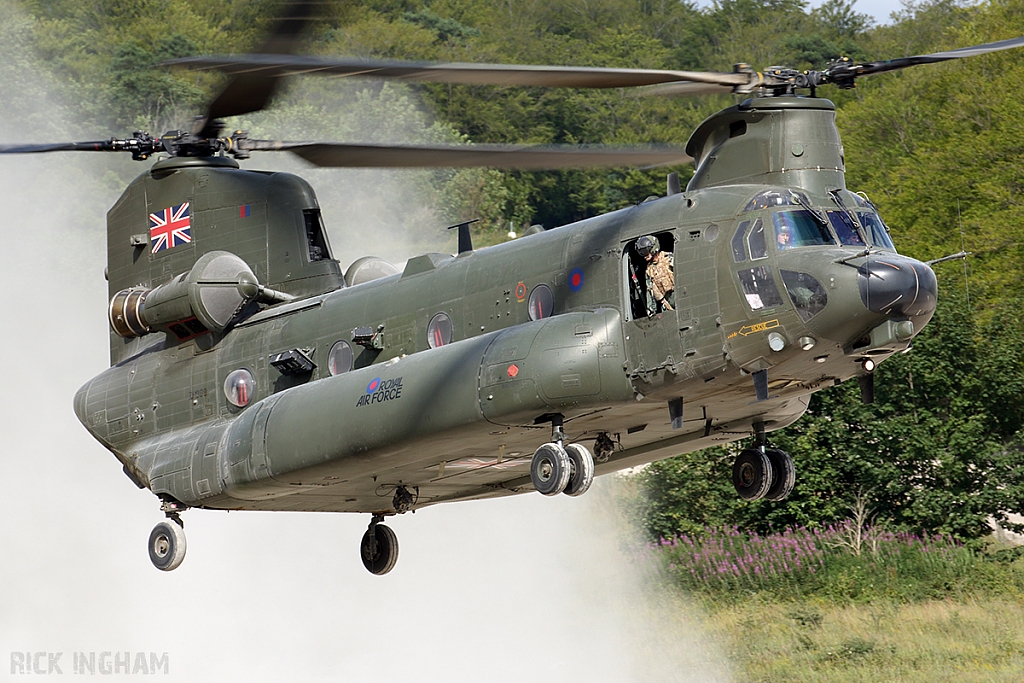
(523, 588)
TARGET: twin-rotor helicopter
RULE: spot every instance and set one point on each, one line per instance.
(249, 371)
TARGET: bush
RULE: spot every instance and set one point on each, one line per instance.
(837, 563)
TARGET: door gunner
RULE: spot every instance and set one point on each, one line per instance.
(661, 283)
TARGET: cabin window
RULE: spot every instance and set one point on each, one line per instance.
(542, 302)
(239, 388)
(739, 248)
(757, 242)
(845, 229)
(339, 360)
(316, 238)
(799, 229)
(439, 330)
(759, 288)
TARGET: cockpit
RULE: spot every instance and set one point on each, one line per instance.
(782, 220)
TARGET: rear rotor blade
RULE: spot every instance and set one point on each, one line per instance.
(249, 92)
(512, 157)
(460, 73)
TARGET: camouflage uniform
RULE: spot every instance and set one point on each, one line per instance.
(661, 283)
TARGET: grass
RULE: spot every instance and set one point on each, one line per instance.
(842, 605)
(815, 640)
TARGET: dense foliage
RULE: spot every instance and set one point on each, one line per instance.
(841, 563)
(940, 449)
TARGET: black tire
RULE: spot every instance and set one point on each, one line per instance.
(783, 475)
(582, 470)
(752, 474)
(379, 558)
(550, 469)
(167, 546)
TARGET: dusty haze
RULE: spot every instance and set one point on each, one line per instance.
(524, 588)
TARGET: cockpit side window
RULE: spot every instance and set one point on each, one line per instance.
(759, 288)
(739, 249)
(757, 242)
(799, 229)
(316, 237)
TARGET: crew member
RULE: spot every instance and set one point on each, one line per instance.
(661, 281)
(782, 238)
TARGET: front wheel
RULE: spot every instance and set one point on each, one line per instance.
(550, 469)
(752, 474)
(783, 475)
(582, 466)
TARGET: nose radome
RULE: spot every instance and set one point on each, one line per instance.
(897, 285)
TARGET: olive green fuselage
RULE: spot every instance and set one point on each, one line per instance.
(461, 420)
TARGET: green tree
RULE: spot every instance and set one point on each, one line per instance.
(939, 451)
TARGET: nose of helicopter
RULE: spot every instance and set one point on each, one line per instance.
(897, 286)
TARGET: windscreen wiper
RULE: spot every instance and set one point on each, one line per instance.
(838, 199)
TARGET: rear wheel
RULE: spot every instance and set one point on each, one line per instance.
(167, 546)
(379, 549)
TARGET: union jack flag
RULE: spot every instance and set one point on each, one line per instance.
(170, 227)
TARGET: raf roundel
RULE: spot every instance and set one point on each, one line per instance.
(576, 279)
(372, 386)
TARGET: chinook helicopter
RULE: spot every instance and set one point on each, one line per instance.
(249, 371)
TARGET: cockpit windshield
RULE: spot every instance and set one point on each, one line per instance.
(845, 229)
(799, 229)
(876, 232)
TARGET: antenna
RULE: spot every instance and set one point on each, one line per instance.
(465, 241)
(963, 248)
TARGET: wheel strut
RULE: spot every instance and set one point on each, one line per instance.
(557, 433)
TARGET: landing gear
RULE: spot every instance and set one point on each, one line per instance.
(167, 545)
(379, 547)
(167, 540)
(559, 468)
(763, 472)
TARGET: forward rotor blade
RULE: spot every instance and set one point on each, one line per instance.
(94, 146)
(461, 73)
(904, 62)
(512, 157)
(248, 92)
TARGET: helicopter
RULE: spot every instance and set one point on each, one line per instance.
(249, 371)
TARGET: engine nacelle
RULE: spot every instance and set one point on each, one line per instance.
(208, 297)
